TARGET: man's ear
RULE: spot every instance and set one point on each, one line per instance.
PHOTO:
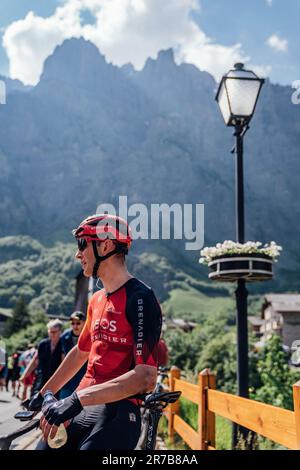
(108, 246)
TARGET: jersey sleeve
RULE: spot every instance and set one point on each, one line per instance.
(144, 314)
(84, 341)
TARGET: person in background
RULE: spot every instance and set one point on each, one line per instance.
(13, 372)
(69, 339)
(163, 353)
(9, 371)
(3, 366)
(48, 357)
(3, 374)
(24, 360)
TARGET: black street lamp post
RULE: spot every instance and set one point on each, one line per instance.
(237, 97)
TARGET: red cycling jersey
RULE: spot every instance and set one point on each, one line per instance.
(122, 330)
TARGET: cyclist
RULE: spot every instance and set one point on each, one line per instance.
(120, 339)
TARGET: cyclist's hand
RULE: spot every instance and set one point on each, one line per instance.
(47, 429)
(63, 410)
(36, 402)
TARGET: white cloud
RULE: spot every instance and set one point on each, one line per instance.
(277, 43)
(30, 41)
(124, 31)
(269, 2)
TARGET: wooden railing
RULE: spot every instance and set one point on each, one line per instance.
(280, 425)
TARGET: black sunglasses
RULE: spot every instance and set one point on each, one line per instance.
(82, 244)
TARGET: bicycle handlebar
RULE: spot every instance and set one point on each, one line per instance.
(6, 440)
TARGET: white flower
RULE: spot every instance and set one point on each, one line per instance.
(231, 247)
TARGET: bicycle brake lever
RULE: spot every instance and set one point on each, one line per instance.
(25, 415)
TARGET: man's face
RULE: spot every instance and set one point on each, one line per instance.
(77, 326)
(87, 258)
(54, 334)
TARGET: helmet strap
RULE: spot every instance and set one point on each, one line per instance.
(99, 258)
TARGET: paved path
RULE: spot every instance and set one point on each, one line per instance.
(8, 407)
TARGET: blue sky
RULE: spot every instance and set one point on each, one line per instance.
(251, 23)
(264, 31)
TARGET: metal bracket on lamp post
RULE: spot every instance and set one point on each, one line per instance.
(243, 132)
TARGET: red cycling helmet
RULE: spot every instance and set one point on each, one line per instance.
(100, 227)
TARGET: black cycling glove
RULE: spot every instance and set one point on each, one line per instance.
(35, 404)
(63, 410)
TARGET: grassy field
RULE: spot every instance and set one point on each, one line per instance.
(192, 304)
(189, 413)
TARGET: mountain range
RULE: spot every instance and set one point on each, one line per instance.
(90, 131)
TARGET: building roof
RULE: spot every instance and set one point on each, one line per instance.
(180, 323)
(255, 321)
(282, 302)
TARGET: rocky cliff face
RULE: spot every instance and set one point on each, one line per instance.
(91, 131)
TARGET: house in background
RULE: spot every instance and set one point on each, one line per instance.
(281, 315)
(255, 325)
(179, 323)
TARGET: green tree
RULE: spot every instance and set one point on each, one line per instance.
(219, 355)
(184, 348)
(20, 340)
(39, 316)
(20, 318)
(276, 376)
(254, 376)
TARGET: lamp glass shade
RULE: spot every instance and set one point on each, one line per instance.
(224, 103)
(237, 95)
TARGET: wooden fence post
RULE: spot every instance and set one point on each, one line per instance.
(173, 407)
(296, 395)
(211, 418)
(206, 419)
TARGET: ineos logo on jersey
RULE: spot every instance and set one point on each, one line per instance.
(108, 325)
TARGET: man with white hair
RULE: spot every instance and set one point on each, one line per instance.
(48, 357)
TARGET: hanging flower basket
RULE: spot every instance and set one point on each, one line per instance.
(231, 261)
(252, 267)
